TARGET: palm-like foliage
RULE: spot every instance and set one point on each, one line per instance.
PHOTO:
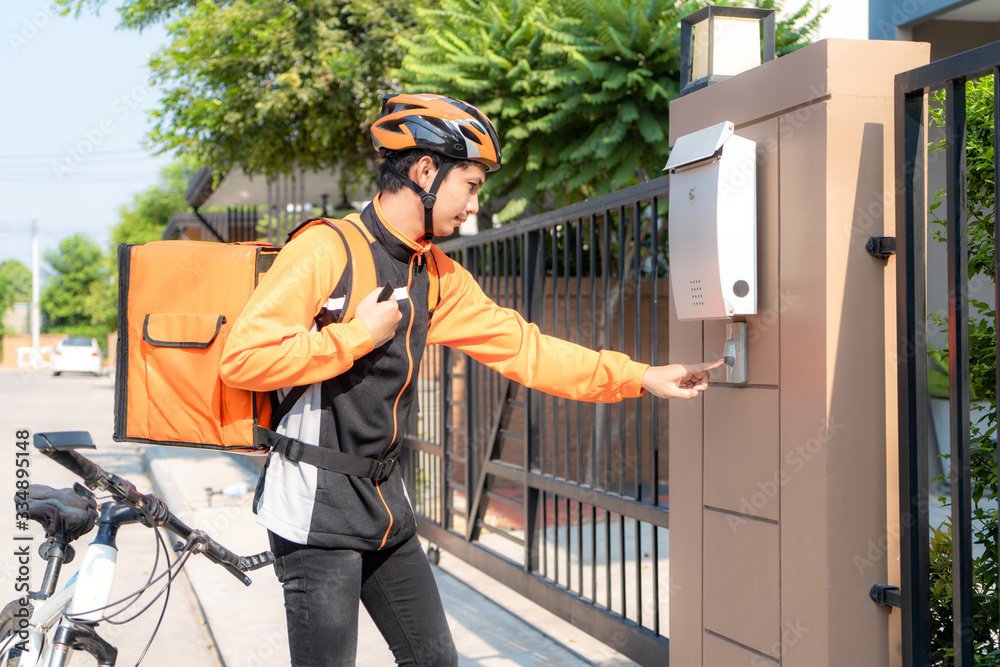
(579, 90)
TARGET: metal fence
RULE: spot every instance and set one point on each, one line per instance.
(563, 501)
(912, 89)
(236, 223)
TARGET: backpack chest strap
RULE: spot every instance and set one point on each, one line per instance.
(328, 459)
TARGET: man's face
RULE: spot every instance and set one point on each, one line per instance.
(457, 198)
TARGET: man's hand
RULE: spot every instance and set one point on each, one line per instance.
(678, 380)
(381, 318)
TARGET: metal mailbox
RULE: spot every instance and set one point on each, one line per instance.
(713, 224)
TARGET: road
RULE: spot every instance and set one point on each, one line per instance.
(38, 402)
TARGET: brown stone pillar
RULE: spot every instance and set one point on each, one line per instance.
(783, 506)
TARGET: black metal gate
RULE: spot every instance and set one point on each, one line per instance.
(912, 89)
(562, 501)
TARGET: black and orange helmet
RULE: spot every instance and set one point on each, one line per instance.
(442, 124)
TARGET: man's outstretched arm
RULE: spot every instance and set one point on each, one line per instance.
(678, 380)
(468, 320)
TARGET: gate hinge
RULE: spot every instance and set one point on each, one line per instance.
(881, 246)
(886, 596)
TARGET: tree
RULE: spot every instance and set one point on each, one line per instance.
(579, 90)
(271, 85)
(136, 14)
(147, 216)
(15, 286)
(15, 283)
(140, 222)
(75, 300)
(981, 212)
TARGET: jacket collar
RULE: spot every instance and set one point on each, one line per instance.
(395, 243)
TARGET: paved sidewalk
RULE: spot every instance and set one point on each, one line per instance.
(492, 625)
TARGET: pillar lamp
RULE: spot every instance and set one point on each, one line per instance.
(720, 42)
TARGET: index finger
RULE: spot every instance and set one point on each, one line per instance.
(705, 365)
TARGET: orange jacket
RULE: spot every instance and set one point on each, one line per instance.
(272, 346)
(359, 398)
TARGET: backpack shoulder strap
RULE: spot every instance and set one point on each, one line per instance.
(358, 242)
(360, 267)
(357, 280)
(365, 265)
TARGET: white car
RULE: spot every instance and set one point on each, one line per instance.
(77, 354)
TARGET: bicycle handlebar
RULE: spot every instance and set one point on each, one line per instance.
(155, 511)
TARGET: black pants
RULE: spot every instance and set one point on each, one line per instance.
(322, 588)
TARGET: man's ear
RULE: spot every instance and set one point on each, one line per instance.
(423, 172)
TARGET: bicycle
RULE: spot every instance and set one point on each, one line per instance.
(66, 619)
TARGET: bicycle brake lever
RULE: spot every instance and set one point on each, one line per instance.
(230, 568)
(235, 572)
(218, 554)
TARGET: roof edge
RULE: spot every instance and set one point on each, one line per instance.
(200, 188)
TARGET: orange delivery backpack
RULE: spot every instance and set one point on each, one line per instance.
(177, 302)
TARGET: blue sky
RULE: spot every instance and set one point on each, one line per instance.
(72, 123)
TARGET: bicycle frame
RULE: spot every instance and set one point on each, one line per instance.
(42, 620)
(65, 620)
(82, 599)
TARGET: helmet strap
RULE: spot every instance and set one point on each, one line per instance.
(427, 198)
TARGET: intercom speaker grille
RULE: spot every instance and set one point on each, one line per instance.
(697, 296)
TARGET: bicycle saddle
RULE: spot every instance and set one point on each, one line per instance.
(60, 511)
